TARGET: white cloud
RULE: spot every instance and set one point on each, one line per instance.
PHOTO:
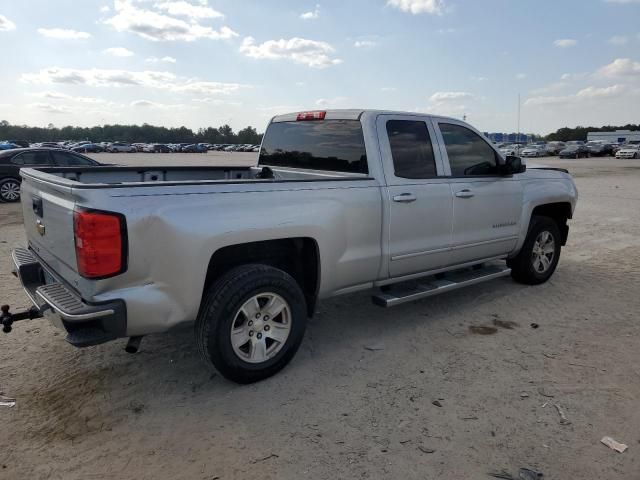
(105, 9)
(364, 44)
(331, 102)
(479, 78)
(440, 97)
(150, 104)
(63, 34)
(64, 96)
(6, 24)
(48, 108)
(565, 42)
(312, 53)
(160, 27)
(622, 1)
(521, 76)
(603, 92)
(312, 15)
(123, 78)
(185, 9)
(388, 89)
(586, 94)
(620, 67)
(619, 40)
(433, 7)
(163, 59)
(118, 52)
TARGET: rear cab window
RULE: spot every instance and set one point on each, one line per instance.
(326, 145)
(411, 149)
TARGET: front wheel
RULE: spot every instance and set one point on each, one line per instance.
(251, 322)
(9, 190)
(538, 258)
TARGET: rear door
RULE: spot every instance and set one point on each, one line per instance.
(420, 203)
(486, 205)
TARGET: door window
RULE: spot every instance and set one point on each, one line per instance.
(36, 157)
(66, 159)
(469, 154)
(411, 149)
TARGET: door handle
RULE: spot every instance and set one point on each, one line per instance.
(405, 198)
(466, 193)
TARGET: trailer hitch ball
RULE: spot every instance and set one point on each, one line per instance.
(6, 318)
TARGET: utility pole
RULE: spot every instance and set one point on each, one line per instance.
(518, 135)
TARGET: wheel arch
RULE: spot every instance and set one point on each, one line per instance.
(560, 212)
(298, 256)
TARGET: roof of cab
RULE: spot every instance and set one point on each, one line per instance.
(347, 114)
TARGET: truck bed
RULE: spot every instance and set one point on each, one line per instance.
(111, 176)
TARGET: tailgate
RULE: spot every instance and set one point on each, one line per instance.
(48, 220)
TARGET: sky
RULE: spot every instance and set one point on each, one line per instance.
(204, 63)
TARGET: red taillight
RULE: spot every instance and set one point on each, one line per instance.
(311, 116)
(100, 243)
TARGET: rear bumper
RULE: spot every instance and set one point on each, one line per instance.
(86, 323)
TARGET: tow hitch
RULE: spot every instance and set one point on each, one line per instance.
(7, 318)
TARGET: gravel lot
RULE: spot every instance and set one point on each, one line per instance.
(341, 410)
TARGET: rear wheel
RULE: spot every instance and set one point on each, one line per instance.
(251, 322)
(9, 190)
(538, 258)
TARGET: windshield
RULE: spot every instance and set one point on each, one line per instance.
(333, 145)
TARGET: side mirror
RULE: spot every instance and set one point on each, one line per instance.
(513, 165)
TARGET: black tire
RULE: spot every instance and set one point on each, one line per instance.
(522, 265)
(221, 304)
(7, 186)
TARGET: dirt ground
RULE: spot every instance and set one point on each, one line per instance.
(342, 410)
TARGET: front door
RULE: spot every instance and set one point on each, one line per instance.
(486, 205)
(420, 202)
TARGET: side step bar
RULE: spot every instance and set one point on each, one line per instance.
(410, 291)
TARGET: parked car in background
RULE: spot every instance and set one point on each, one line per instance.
(46, 145)
(553, 148)
(11, 161)
(116, 147)
(510, 150)
(598, 148)
(157, 148)
(629, 151)
(8, 146)
(88, 148)
(194, 148)
(20, 143)
(538, 150)
(574, 142)
(574, 151)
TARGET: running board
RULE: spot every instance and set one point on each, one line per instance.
(410, 291)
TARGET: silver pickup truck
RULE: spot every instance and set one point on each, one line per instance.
(406, 205)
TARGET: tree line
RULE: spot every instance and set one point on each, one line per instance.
(580, 133)
(144, 133)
